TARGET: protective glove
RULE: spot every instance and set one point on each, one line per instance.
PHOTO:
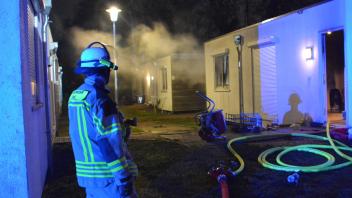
(127, 190)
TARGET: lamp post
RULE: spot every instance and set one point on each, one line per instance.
(114, 13)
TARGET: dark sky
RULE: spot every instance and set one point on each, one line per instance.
(204, 19)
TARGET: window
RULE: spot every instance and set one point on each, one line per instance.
(221, 70)
(164, 78)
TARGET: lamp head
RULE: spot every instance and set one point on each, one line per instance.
(114, 13)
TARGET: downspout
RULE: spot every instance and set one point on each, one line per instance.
(46, 11)
(238, 40)
(45, 26)
(46, 84)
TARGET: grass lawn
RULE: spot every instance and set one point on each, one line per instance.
(148, 119)
(148, 115)
(173, 167)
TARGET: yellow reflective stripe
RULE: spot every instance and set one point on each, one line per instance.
(94, 171)
(80, 134)
(91, 154)
(119, 168)
(95, 176)
(78, 95)
(108, 132)
(100, 123)
(104, 130)
(80, 104)
(90, 163)
(91, 167)
(122, 159)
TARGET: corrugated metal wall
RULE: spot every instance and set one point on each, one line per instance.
(265, 82)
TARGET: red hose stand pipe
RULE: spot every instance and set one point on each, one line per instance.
(222, 179)
(222, 172)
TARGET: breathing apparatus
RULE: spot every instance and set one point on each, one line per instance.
(95, 58)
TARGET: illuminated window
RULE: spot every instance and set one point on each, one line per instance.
(164, 78)
(221, 70)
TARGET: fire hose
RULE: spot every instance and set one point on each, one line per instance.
(280, 165)
(222, 172)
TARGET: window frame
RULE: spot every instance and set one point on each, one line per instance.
(221, 78)
(164, 84)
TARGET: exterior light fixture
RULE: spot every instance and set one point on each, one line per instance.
(114, 13)
(308, 53)
(329, 32)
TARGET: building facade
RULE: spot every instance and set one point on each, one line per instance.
(284, 68)
(25, 146)
(171, 82)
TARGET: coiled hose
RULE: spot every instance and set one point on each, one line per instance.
(329, 164)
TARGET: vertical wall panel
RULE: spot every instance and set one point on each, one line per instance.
(265, 82)
(257, 104)
(268, 78)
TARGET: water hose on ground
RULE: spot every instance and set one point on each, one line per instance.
(280, 165)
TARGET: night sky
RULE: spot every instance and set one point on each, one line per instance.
(204, 19)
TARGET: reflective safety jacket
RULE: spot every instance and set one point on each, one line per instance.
(100, 153)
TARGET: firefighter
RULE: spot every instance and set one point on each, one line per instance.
(104, 166)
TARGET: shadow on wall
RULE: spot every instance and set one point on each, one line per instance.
(294, 115)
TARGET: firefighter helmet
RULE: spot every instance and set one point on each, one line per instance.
(94, 58)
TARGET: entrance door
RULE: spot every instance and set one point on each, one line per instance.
(335, 75)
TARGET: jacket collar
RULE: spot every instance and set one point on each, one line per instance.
(96, 81)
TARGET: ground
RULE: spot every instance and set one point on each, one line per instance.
(173, 162)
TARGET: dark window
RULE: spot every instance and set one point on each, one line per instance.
(164, 78)
(221, 70)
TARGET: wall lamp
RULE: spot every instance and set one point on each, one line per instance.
(308, 53)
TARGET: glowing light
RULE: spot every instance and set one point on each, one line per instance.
(329, 32)
(152, 77)
(308, 53)
(140, 99)
(148, 79)
(267, 20)
(114, 13)
(33, 88)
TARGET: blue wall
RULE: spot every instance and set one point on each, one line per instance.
(295, 74)
(37, 133)
(25, 135)
(13, 171)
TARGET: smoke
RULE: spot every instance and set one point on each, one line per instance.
(144, 45)
(156, 42)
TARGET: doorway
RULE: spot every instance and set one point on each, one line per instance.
(335, 76)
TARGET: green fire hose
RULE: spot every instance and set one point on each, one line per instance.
(280, 165)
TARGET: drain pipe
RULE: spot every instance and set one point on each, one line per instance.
(238, 40)
(45, 26)
(46, 11)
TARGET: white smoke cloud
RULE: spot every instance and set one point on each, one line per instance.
(144, 44)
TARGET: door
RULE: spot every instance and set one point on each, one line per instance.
(333, 51)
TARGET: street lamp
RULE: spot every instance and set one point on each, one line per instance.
(114, 13)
